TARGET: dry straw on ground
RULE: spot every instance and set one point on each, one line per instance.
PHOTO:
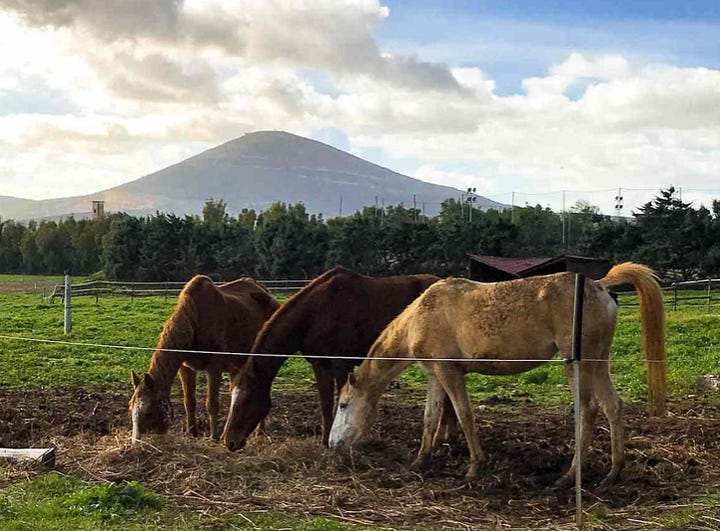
(672, 462)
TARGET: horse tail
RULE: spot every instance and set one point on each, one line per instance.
(652, 317)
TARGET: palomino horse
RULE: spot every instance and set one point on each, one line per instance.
(224, 318)
(340, 313)
(529, 320)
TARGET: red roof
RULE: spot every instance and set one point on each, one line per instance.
(509, 264)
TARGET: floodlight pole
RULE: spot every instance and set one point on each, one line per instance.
(575, 360)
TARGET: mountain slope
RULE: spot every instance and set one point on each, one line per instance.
(254, 171)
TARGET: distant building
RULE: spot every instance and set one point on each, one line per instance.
(98, 209)
(499, 268)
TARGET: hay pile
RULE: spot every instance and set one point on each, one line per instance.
(670, 462)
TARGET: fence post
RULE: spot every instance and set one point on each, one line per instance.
(575, 360)
(166, 291)
(68, 304)
(709, 289)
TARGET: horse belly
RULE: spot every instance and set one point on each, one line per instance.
(511, 355)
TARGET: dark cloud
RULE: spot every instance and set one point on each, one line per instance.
(111, 20)
(325, 34)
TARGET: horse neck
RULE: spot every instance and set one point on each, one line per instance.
(381, 367)
(265, 368)
(164, 366)
(283, 335)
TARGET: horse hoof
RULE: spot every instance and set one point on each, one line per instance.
(609, 481)
(565, 482)
(418, 464)
(472, 474)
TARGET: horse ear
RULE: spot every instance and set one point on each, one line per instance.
(352, 380)
(135, 378)
(148, 381)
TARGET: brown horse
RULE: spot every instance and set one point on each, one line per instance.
(520, 323)
(206, 317)
(340, 313)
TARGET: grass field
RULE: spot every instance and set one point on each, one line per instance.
(693, 343)
(55, 502)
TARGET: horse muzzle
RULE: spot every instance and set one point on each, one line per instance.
(235, 446)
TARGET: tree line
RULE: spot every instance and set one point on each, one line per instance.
(285, 241)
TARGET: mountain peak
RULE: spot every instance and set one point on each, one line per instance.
(254, 171)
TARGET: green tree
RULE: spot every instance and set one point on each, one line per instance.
(289, 242)
(121, 247)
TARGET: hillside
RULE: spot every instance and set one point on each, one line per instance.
(254, 171)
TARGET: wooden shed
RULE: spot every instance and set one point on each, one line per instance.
(499, 268)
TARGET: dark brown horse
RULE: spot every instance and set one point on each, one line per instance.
(206, 317)
(340, 313)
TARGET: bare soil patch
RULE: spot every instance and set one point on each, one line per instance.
(670, 462)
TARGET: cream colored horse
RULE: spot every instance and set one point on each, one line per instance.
(529, 320)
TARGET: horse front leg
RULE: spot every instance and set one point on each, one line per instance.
(326, 392)
(188, 379)
(453, 381)
(212, 401)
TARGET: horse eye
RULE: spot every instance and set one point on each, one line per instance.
(342, 405)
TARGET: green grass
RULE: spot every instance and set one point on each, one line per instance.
(36, 278)
(693, 342)
(58, 503)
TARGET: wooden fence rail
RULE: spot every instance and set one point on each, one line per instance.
(107, 288)
(694, 293)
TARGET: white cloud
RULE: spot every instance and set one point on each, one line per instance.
(143, 87)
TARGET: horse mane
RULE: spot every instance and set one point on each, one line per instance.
(298, 298)
(243, 280)
(179, 328)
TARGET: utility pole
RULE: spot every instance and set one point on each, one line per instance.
(340, 209)
(564, 219)
(415, 208)
(512, 208)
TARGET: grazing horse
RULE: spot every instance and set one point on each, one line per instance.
(521, 324)
(206, 317)
(340, 313)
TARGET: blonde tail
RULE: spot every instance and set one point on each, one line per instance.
(652, 317)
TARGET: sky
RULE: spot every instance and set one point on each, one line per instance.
(518, 99)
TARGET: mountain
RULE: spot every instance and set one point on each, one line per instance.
(254, 171)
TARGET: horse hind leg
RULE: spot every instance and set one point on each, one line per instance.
(612, 406)
(588, 415)
(212, 401)
(433, 407)
(188, 379)
(448, 430)
(453, 381)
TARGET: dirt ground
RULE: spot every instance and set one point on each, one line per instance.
(671, 462)
(27, 286)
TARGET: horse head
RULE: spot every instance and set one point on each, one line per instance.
(150, 411)
(356, 412)
(249, 405)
